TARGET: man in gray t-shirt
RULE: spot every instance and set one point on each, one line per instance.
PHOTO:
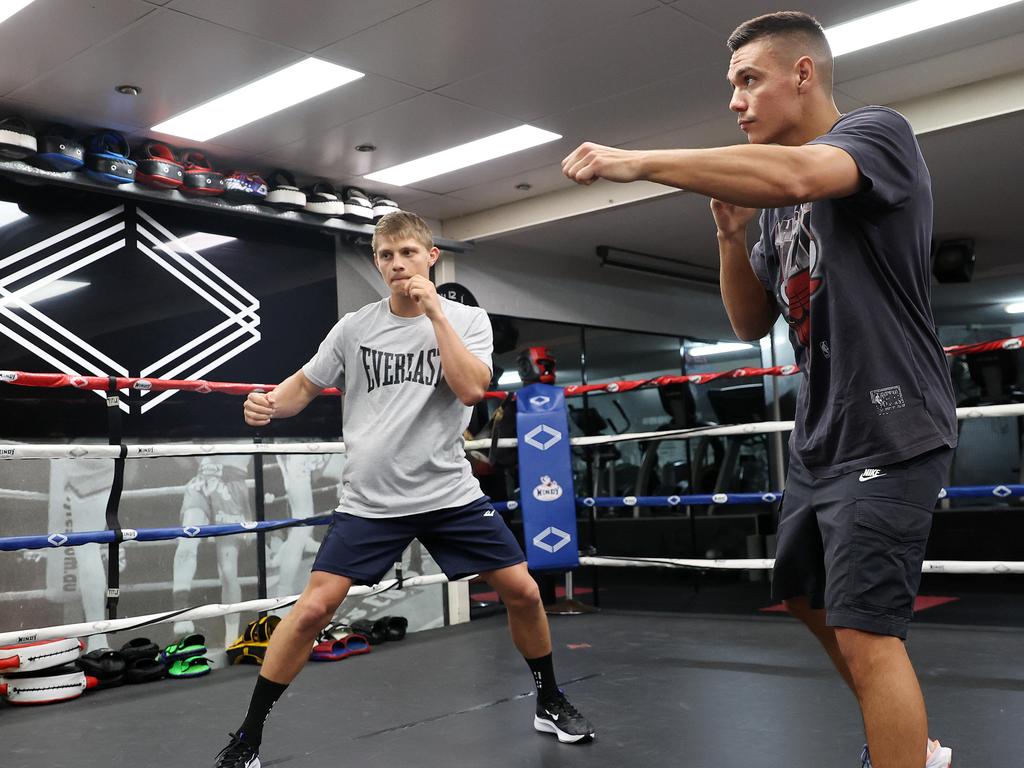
(844, 256)
(411, 366)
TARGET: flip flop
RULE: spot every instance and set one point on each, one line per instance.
(195, 666)
(185, 648)
(335, 650)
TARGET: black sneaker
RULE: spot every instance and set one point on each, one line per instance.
(562, 719)
(237, 754)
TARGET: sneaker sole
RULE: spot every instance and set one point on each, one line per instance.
(546, 726)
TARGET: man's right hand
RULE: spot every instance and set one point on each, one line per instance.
(730, 219)
(258, 409)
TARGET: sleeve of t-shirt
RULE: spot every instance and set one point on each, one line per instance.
(479, 340)
(882, 144)
(327, 367)
(757, 258)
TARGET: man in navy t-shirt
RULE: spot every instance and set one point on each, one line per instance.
(844, 256)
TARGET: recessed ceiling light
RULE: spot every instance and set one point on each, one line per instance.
(11, 7)
(464, 155)
(270, 94)
(366, 147)
(1015, 309)
(128, 90)
(902, 20)
(524, 187)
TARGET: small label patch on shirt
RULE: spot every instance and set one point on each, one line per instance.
(887, 399)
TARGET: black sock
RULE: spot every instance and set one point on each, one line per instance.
(544, 676)
(264, 695)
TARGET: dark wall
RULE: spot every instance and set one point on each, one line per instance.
(142, 308)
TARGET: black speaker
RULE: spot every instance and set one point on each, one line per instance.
(953, 261)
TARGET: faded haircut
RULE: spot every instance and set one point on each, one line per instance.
(800, 31)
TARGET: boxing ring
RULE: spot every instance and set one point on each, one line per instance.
(662, 688)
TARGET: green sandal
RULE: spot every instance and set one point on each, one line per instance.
(195, 666)
(186, 647)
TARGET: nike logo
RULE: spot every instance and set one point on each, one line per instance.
(489, 514)
(553, 715)
(870, 474)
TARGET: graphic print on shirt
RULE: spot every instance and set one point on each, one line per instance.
(799, 263)
(384, 368)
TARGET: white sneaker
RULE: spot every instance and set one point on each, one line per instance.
(938, 756)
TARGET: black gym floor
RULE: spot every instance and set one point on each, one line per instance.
(663, 690)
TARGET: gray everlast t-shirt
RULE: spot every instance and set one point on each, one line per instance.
(401, 423)
(852, 278)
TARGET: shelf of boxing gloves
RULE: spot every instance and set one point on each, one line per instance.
(104, 161)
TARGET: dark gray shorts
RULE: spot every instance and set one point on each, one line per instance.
(854, 544)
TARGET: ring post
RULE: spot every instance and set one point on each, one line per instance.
(546, 486)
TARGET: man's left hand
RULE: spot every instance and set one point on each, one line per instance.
(590, 162)
(423, 292)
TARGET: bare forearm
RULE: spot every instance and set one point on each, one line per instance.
(466, 375)
(754, 176)
(293, 394)
(750, 311)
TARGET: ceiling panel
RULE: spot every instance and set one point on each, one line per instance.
(638, 51)
(969, 65)
(151, 56)
(445, 41)
(294, 27)
(437, 207)
(402, 132)
(364, 96)
(33, 42)
(663, 105)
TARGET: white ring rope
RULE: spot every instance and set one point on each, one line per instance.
(764, 564)
(165, 450)
(200, 612)
(270, 604)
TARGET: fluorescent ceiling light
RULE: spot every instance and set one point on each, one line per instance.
(10, 213)
(56, 288)
(1016, 308)
(270, 94)
(721, 348)
(10, 7)
(463, 156)
(199, 241)
(508, 378)
(902, 20)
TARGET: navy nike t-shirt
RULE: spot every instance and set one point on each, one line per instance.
(852, 277)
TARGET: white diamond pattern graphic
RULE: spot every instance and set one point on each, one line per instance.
(57, 539)
(542, 437)
(561, 539)
(43, 263)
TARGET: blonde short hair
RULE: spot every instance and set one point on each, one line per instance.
(403, 224)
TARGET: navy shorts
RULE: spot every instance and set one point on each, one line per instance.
(462, 540)
(854, 544)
